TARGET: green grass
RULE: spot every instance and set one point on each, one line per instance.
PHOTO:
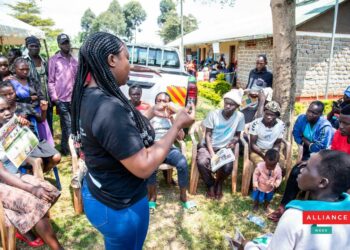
(170, 227)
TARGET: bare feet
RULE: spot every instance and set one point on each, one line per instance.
(210, 193)
(255, 206)
(218, 191)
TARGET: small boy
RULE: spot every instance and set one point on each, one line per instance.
(266, 178)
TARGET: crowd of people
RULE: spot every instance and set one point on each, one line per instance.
(211, 68)
(30, 87)
(123, 151)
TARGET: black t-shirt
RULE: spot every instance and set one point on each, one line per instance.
(109, 135)
(259, 79)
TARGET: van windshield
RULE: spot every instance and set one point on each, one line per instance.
(153, 57)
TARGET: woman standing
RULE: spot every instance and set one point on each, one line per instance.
(118, 143)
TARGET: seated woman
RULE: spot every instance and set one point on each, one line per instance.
(161, 126)
(44, 156)
(327, 178)
(26, 199)
(28, 91)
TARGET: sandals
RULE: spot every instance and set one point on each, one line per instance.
(38, 242)
(189, 206)
(152, 206)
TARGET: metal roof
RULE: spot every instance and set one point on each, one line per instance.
(250, 19)
(14, 31)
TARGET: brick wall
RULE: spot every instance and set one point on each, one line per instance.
(312, 66)
(312, 63)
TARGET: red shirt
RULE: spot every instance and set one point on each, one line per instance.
(143, 106)
(340, 143)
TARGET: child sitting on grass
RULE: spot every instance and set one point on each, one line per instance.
(266, 178)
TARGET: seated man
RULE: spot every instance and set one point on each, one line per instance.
(333, 116)
(341, 139)
(266, 133)
(135, 93)
(175, 158)
(313, 133)
(259, 86)
(222, 129)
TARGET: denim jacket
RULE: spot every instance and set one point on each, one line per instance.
(322, 137)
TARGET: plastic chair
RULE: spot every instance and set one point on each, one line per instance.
(198, 130)
(8, 234)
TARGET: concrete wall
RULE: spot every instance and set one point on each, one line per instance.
(312, 65)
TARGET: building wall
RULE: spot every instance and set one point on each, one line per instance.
(247, 53)
(312, 66)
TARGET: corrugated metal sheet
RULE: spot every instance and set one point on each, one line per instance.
(250, 19)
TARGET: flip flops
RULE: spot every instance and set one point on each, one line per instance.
(189, 206)
(152, 206)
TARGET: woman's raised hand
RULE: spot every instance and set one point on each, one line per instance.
(185, 117)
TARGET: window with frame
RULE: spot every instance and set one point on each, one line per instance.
(170, 59)
(154, 57)
(140, 55)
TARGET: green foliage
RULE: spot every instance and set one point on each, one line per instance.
(29, 12)
(327, 106)
(213, 90)
(299, 108)
(116, 20)
(170, 22)
(166, 7)
(112, 20)
(86, 23)
(134, 15)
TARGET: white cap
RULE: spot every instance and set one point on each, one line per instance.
(235, 95)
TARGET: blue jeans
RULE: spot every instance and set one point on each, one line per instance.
(121, 229)
(261, 196)
(177, 159)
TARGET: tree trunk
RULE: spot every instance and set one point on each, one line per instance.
(284, 57)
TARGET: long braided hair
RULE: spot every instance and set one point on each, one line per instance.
(93, 60)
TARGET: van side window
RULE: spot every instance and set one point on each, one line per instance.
(130, 53)
(170, 59)
(140, 55)
(154, 57)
